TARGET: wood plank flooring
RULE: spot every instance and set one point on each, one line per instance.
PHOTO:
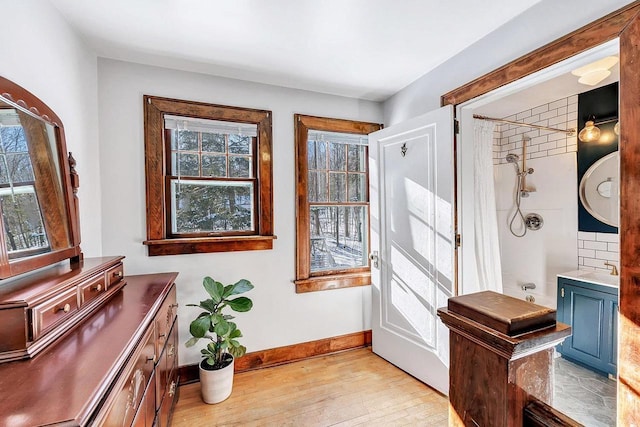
(351, 388)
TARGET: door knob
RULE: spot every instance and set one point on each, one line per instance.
(373, 256)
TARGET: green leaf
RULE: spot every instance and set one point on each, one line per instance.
(200, 326)
(211, 361)
(222, 328)
(217, 318)
(238, 351)
(191, 342)
(234, 343)
(235, 333)
(241, 286)
(227, 291)
(211, 287)
(208, 305)
(240, 304)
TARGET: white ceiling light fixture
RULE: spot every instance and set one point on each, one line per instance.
(594, 73)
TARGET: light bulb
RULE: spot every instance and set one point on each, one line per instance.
(590, 132)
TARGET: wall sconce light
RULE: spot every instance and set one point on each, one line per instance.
(591, 132)
(594, 73)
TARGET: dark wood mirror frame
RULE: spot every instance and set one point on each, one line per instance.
(30, 104)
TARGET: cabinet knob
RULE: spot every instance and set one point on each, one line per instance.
(151, 359)
(97, 288)
(65, 308)
(117, 274)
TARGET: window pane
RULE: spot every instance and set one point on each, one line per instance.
(337, 157)
(211, 206)
(357, 187)
(357, 158)
(13, 139)
(21, 214)
(338, 237)
(214, 166)
(239, 144)
(16, 168)
(213, 143)
(337, 187)
(317, 186)
(184, 140)
(317, 154)
(239, 167)
(185, 164)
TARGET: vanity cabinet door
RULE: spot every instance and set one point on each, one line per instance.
(592, 314)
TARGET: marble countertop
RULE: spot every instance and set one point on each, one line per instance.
(592, 276)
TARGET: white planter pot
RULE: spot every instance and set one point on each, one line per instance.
(216, 385)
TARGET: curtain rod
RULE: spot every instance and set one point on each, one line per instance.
(491, 119)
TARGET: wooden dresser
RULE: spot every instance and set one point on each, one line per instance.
(116, 365)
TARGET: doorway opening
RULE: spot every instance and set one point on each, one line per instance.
(560, 248)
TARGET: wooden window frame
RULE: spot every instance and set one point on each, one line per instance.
(331, 279)
(160, 240)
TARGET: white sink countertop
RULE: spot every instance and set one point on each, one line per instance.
(592, 276)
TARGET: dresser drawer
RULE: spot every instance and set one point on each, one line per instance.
(91, 289)
(127, 397)
(165, 318)
(46, 315)
(114, 274)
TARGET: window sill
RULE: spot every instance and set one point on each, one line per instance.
(336, 281)
(208, 244)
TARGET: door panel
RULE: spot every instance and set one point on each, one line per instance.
(411, 194)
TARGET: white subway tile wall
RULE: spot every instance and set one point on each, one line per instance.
(594, 249)
(561, 114)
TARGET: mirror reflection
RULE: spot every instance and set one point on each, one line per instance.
(599, 190)
(32, 200)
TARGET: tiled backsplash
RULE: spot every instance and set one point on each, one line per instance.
(561, 114)
(594, 249)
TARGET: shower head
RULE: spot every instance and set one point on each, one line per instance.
(512, 158)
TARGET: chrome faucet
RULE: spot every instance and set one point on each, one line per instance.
(526, 286)
(614, 269)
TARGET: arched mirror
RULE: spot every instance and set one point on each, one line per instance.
(39, 223)
(599, 189)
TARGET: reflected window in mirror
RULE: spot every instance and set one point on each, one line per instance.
(38, 208)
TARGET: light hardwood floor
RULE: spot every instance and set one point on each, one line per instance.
(351, 388)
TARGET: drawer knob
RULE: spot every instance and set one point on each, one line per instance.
(97, 288)
(117, 274)
(65, 308)
(151, 359)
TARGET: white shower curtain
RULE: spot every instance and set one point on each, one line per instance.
(487, 244)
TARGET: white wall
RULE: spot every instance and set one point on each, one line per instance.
(41, 53)
(280, 316)
(543, 23)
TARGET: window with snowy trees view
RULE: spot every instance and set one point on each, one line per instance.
(333, 203)
(215, 186)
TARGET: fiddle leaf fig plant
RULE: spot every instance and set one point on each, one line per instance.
(215, 326)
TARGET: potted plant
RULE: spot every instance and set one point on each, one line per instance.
(216, 368)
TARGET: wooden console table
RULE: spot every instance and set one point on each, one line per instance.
(117, 367)
(501, 358)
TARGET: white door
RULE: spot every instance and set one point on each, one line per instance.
(411, 196)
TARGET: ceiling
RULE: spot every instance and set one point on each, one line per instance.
(367, 49)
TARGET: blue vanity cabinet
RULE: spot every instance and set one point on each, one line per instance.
(592, 311)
